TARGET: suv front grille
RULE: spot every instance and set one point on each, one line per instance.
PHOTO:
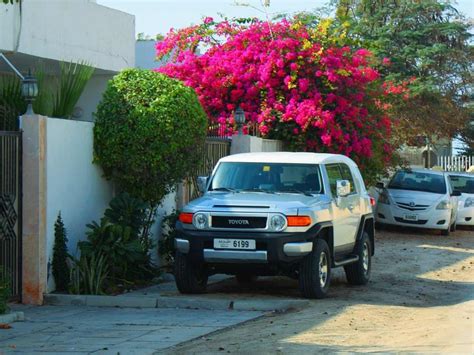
(239, 222)
(407, 206)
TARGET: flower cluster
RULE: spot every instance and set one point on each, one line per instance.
(288, 80)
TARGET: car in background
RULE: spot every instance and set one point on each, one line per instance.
(464, 183)
(419, 198)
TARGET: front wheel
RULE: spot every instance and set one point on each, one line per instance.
(189, 277)
(315, 271)
(358, 273)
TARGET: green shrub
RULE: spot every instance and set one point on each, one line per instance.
(5, 291)
(116, 251)
(147, 129)
(168, 234)
(60, 256)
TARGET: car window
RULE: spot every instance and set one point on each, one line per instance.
(271, 177)
(347, 175)
(334, 174)
(465, 184)
(418, 181)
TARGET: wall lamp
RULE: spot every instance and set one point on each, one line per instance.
(29, 86)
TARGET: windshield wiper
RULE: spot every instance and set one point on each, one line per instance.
(306, 193)
(258, 190)
(229, 189)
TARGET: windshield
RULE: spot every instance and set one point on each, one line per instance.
(465, 184)
(267, 177)
(418, 181)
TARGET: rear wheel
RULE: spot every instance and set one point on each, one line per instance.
(190, 277)
(315, 271)
(358, 273)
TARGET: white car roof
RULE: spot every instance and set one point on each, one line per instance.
(289, 157)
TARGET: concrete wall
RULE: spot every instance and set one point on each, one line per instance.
(250, 144)
(74, 186)
(69, 30)
(145, 54)
(58, 176)
(92, 95)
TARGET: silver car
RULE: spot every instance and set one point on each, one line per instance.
(419, 198)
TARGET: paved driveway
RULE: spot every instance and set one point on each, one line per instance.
(69, 329)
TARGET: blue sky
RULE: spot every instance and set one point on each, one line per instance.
(158, 16)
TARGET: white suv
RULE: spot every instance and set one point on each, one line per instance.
(297, 214)
(419, 198)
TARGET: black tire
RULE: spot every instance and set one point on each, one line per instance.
(453, 227)
(447, 232)
(245, 278)
(312, 282)
(358, 273)
(189, 277)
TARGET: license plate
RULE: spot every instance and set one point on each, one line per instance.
(246, 244)
(410, 217)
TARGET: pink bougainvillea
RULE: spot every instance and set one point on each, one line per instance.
(291, 82)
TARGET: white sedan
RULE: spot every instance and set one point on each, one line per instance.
(464, 183)
(419, 198)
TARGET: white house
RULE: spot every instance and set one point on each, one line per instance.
(47, 32)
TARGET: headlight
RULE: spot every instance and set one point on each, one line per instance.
(277, 223)
(383, 198)
(469, 202)
(200, 220)
(444, 205)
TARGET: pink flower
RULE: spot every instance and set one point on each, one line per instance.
(208, 20)
(386, 61)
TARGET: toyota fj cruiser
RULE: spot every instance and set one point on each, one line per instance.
(296, 214)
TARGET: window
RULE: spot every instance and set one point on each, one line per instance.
(268, 177)
(418, 181)
(334, 174)
(465, 184)
(347, 175)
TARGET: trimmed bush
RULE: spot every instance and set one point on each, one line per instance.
(148, 128)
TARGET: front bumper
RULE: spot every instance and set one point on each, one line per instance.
(271, 248)
(465, 216)
(428, 219)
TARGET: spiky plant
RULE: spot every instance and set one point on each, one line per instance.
(72, 81)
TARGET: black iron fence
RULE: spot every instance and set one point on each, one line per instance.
(10, 209)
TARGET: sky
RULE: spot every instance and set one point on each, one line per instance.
(158, 16)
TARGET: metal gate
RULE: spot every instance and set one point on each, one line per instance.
(214, 149)
(10, 209)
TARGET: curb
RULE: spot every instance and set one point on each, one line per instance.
(12, 317)
(174, 302)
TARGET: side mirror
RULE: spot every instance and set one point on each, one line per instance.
(343, 188)
(202, 183)
(456, 193)
(379, 185)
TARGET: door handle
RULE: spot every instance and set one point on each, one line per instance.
(351, 207)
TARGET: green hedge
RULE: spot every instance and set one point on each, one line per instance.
(148, 128)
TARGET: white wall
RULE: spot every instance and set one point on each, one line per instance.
(91, 96)
(145, 55)
(74, 185)
(70, 30)
(76, 188)
(9, 25)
